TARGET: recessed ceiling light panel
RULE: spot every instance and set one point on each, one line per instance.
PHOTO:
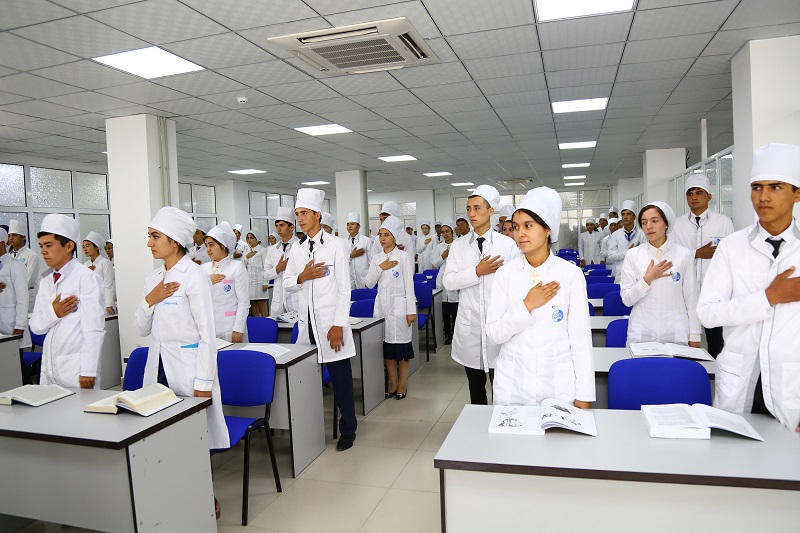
(247, 171)
(573, 184)
(574, 177)
(573, 106)
(575, 165)
(316, 183)
(395, 158)
(547, 10)
(572, 146)
(325, 129)
(148, 63)
(463, 184)
(436, 174)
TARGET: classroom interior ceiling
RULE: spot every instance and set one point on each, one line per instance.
(482, 113)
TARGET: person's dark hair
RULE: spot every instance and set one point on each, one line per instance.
(181, 248)
(660, 213)
(696, 188)
(536, 218)
(60, 238)
(488, 206)
(507, 221)
(462, 218)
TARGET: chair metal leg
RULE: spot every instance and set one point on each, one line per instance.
(427, 341)
(272, 458)
(246, 477)
(433, 328)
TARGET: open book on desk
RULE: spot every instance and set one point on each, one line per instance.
(668, 349)
(682, 421)
(145, 401)
(35, 395)
(534, 420)
(222, 344)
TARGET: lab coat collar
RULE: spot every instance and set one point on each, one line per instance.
(530, 269)
(319, 238)
(759, 234)
(64, 270)
(473, 236)
(664, 248)
(691, 216)
(181, 266)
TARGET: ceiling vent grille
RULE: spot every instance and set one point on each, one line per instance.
(382, 45)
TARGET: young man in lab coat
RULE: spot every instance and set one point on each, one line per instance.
(589, 244)
(700, 231)
(358, 245)
(69, 309)
(752, 288)
(197, 252)
(18, 240)
(241, 245)
(472, 261)
(625, 238)
(277, 257)
(318, 270)
(13, 295)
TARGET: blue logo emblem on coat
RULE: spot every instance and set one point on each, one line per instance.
(327, 271)
(676, 276)
(226, 288)
(396, 274)
(558, 315)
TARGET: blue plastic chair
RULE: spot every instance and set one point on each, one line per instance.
(363, 294)
(617, 333)
(134, 370)
(599, 290)
(295, 332)
(587, 268)
(613, 306)
(433, 272)
(591, 309)
(424, 294)
(598, 272)
(32, 360)
(362, 309)
(657, 381)
(420, 277)
(262, 330)
(247, 379)
(594, 280)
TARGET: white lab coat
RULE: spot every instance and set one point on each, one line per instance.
(604, 244)
(181, 330)
(198, 253)
(104, 269)
(358, 265)
(231, 297)
(396, 298)
(619, 245)
(713, 227)
(547, 352)
(404, 240)
(14, 299)
(282, 301)
(326, 301)
(73, 343)
(33, 263)
(664, 311)
(589, 247)
(255, 272)
(759, 338)
(425, 252)
(471, 347)
(439, 262)
(240, 248)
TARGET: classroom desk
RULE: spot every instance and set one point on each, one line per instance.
(597, 303)
(622, 480)
(599, 326)
(111, 356)
(120, 473)
(10, 370)
(297, 403)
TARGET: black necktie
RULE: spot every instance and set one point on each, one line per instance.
(13, 252)
(697, 219)
(284, 244)
(353, 241)
(629, 234)
(776, 244)
(310, 246)
(480, 243)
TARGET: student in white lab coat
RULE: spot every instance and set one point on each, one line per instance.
(358, 245)
(275, 264)
(658, 282)
(700, 231)
(92, 244)
(254, 258)
(393, 272)
(449, 298)
(538, 315)
(437, 227)
(13, 295)
(109, 248)
(625, 238)
(241, 244)
(404, 241)
(197, 252)
(604, 244)
(612, 213)
(462, 227)
(589, 244)
(504, 215)
(230, 284)
(470, 268)
(752, 289)
(19, 250)
(319, 272)
(68, 309)
(425, 249)
(602, 224)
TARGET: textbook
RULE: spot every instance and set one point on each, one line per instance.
(668, 349)
(145, 401)
(534, 420)
(35, 395)
(682, 421)
(221, 343)
(272, 349)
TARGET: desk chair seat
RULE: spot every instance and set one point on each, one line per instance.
(598, 290)
(420, 277)
(617, 333)
(587, 268)
(134, 370)
(598, 271)
(262, 330)
(594, 280)
(657, 381)
(613, 306)
(433, 272)
(362, 309)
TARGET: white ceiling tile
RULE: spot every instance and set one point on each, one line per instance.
(301, 91)
(580, 92)
(493, 43)
(87, 75)
(512, 84)
(265, 74)
(582, 57)
(187, 106)
(239, 15)
(270, 112)
(415, 12)
(710, 65)
(34, 86)
(330, 7)
(350, 118)
(9, 133)
(710, 81)
(466, 16)
(441, 49)
(655, 50)
(635, 111)
(674, 68)
(458, 105)
(683, 20)
(84, 6)
(526, 98)
(728, 42)
(633, 88)
(437, 93)
(16, 14)
(751, 13)
(59, 141)
(52, 127)
(403, 111)
(648, 99)
(511, 65)
(223, 118)
(22, 54)
(382, 98)
(329, 105)
(428, 75)
(373, 82)
(40, 109)
(200, 83)
(143, 92)
(89, 101)
(219, 51)
(8, 98)
(582, 76)
(586, 31)
(709, 95)
(688, 107)
(88, 136)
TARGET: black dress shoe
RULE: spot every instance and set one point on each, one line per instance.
(345, 442)
(401, 395)
(391, 394)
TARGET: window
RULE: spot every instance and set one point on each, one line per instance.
(719, 171)
(263, 210)
(408, 214)
(200, 201)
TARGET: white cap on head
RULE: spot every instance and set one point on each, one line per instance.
(546, 204)
(65, 226)
(223, 234)
(698, 181)
(603, 215)
(613, 210)
(203, 225)
(174, 223)
(328, 220)
(256, 233)
(286, 214)
(237, 227)
(449, 223)
(110, 241)
(3, 235)
(390, 208)
(589, 221)
(613, 221)
(353, 216)
(488, 193)
(394, 225)
(668, 212)
(506, 211)
(310, 199)
(96, 239)
(630, 205)
(437, 223)
(17, 227)
(777, 162)
(425, 223)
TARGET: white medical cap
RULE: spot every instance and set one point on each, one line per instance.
(96, 239)
(449, 223)
(310, 199)
(777, 162)
(3, 235)
(546, 204)
(256, 233)
(588, 220)
(698, 181)
(17, 227)
(630, 205)
(613, 221)
(285, 214)
(63, 225)
(223, 234)
(394, 225)
(328, 220)
(668, 212)
(174, 223)
(390, 208)
(353, 216)
(488, 193)
(506, 211)
(237, 227)
(203, 225)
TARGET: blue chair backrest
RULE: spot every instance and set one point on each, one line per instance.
(362, 309)
(363, 294)
(593, 280)
(613, 306)
(567, 251)
(598, 290)
(246, 378)
(591, 309)
(424, 294)
(587, 268)
(262, 329)
(431, 272)
(36, 339)
(295, 332)
(599, 272)
(617, 333)
(657, 381)
(420, 277)
(134, 370)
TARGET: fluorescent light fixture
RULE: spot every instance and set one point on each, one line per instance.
(369, 190)
(436, 174)
(575, 165)
(247, 171)
(470, 190)
(574, 177)
(570, 146)
(697, 171)
(105, 152)
(727, 156)
(316, 183)
(325, 129)
(573, 184)
(149, 63)
(571, 106)
(462, 184)
(547, 10)
(394, 158)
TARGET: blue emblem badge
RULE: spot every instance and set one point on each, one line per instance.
(327, 271)
(396, 274)
(226, 288)
(558, 315)
(676, 276)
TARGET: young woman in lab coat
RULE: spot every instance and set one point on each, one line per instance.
(393, 271)
(449, 298)
(538, 314)
(426, 247)
(658, 281)
(92, 244)
(229, 284)
(253, 258)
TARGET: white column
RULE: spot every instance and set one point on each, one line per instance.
(766, 108)
(659, 166)
(351, 195)
(137, 190)
(233, 203)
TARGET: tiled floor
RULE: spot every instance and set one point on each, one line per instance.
(385, 483)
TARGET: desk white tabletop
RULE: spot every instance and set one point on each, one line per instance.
(605, 357)
(364, 324)
(4, 338)
(597, 303)
(297, 352)
(600, 323)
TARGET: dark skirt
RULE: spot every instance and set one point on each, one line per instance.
(398, 352)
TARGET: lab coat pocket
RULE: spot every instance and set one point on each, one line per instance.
(325, 318)
(564, 382)
(399, 307)
(69, 370)
(464, 321)
(790, 385)
(730, 382)
(186, 372)
(8, 316)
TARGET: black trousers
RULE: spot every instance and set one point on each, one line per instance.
(342, 380)
(449, 311)
(715, 341)
(476, 379)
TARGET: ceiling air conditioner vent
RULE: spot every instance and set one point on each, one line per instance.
(382, 45)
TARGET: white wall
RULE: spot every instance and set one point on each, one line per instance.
(424, 199)
(659, 166)
(627, 189)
